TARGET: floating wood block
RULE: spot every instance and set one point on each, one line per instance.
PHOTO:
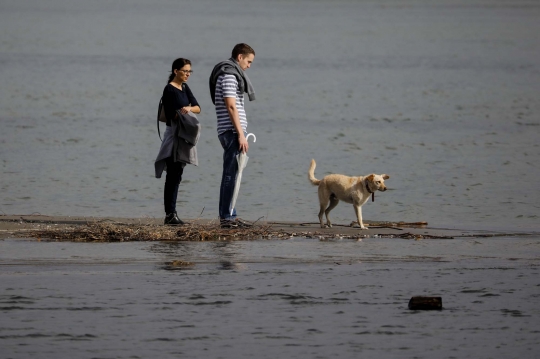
(425, 303)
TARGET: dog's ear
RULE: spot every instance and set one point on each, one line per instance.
(370, 177)
(385, 176)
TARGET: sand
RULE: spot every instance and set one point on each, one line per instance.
(23, 226)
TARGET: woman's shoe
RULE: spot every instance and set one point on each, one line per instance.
(172, 219)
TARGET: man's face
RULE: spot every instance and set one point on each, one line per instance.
(245, 61)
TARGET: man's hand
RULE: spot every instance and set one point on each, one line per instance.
(244, 146)
(230, 103)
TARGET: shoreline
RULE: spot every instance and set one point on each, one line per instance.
(14, 226)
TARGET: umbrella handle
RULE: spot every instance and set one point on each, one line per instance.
(251, 134)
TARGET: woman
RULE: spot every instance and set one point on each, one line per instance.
(176, 96)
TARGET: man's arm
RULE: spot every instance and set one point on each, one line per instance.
(230, 103)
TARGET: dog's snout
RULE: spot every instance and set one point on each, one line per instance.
(383, 188)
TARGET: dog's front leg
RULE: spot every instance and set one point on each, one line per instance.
(358, 210)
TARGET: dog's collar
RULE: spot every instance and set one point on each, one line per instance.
(367, 187)
(372, 193)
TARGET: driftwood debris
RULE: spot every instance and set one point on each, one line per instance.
(110, 231)
(120, 232)
(425, 303)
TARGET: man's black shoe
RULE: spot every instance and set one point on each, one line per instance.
(172, 219)
(237, 223)
(227, 224)
(243, 224)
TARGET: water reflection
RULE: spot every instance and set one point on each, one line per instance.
(184, 255)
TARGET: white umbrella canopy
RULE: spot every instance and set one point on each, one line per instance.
(242, 159)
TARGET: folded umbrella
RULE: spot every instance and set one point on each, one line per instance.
(242, 159)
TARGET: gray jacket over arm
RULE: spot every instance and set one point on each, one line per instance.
(188, 132)
(179, 141)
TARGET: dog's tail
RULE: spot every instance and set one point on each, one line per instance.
(311, 174)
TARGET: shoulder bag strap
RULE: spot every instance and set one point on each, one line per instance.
(158, 116)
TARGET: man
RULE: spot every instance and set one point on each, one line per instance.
(228, 83)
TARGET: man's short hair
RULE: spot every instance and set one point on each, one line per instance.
(242, 49)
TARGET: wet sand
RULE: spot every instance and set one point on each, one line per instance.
(16, 226)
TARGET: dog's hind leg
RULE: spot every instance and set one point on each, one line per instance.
(321, 212)
(358, 210)
(323, 203)
(333, 203)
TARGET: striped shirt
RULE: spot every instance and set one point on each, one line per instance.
(227, 86)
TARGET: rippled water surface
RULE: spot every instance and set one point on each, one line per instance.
(265, 299)
(442, 97)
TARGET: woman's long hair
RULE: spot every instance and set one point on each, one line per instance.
(177, 65)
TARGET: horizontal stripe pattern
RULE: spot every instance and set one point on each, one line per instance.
(227, 86)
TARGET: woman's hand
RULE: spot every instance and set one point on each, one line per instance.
(185, 109)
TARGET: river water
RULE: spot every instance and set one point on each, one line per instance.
(296, 298)
(442, 97)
